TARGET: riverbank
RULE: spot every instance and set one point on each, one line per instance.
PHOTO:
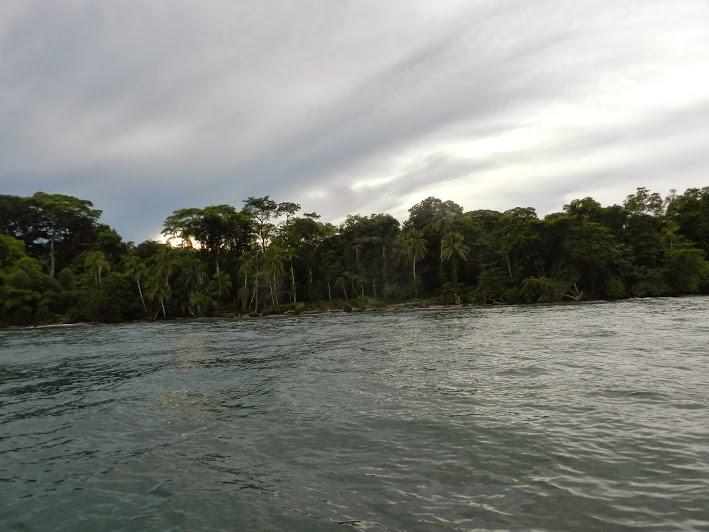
(270, 313)
(319, 310)
(344, 309)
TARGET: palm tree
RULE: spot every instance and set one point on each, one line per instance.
(135, 268)
(341, 282)
(291, 254)
(453, 248)
(196, 275)
(164, 265)
(158, 283)
(414, 246)
(220, 285)
(95, 261)
(198, 300)
(441, 223)
(159, 289)
(273, 270)
(247, 267)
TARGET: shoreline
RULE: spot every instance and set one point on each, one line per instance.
(390, 308)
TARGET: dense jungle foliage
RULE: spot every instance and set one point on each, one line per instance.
(58, 263)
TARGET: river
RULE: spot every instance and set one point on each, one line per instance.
(586, 416)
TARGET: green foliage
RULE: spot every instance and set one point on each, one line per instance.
(11, 250)
(615, 288)
(650, 283)
(492, 284)
(454, 251)
(113, 301)
(57, 262)
(685, 269)
(690, 213)
(26, 292)
(542, 290)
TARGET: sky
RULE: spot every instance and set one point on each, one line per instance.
(350, 106)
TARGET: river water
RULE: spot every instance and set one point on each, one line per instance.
(592, 416)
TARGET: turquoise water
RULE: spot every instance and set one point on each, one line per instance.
(554, 417)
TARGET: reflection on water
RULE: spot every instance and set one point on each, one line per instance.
(574, 416)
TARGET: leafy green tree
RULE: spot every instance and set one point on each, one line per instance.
(453, 250)
(685, 268)
(25, 290)
(135, 268)
(414, 246)
(690, 213)
(517, 240)
(542, 290)
(11, 250)
(158, 281)
(434, 218)
(220, 286)
(273, 270)
(217, 229)
(264, 212)
(96, 263)
(644, 202)
(60, 220)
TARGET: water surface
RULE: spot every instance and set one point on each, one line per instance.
(588, 416)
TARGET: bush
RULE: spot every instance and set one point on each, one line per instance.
(512, 295)
(117, 300)
(615, 288)
(492, 285)
(363, 302)
(684, 270)
(542, 290)
(392, 292)
(650, 283)
(451, 293)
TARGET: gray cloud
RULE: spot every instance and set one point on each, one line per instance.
(145, 107)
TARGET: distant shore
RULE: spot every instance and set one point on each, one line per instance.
(271, 313)
(320, 311)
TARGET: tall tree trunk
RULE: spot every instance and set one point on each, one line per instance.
(252, 299)
(162, 304)
(415, 286)
(51, 256)
(270, 288)
(310, 282)
(294, 296)
(256, 286)
(384, 264)
(509, 268)
(329, 293)
(441, 266)
(140, 291)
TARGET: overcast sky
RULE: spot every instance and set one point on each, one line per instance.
(355, 106)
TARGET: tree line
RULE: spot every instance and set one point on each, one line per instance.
(58, 263)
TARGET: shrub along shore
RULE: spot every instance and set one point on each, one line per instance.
(60, 264)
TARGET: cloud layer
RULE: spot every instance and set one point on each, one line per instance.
(359, 106)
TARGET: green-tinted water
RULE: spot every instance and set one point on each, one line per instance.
(561, 417)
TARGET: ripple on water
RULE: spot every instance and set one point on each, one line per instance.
(547, 417)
